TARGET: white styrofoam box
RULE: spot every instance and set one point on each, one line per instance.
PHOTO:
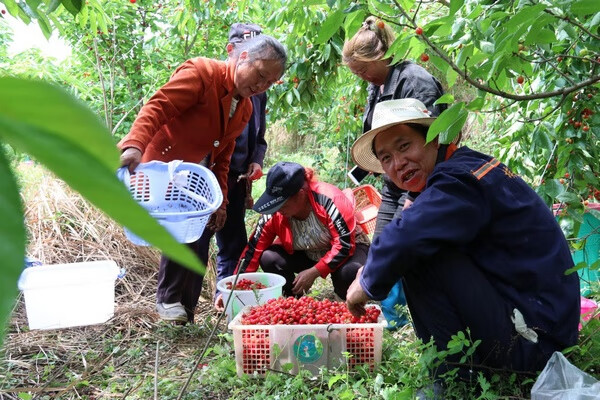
(65, 295)
(311, 346)
(242, 298)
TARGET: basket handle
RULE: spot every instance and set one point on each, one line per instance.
(179, 180)
(124, 175)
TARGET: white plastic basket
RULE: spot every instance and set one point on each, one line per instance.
(180, 195)
(259, 348)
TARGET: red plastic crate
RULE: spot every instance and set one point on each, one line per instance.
(368, 201)
(259, 348)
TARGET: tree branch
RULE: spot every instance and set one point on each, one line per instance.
(488, 89)
(574, 22)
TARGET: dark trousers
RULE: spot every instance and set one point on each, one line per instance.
(232, 238)
(176, 283)
(450, 295)
(277, 261)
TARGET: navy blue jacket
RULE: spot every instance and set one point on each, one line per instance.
(251, 146)
(475, 204)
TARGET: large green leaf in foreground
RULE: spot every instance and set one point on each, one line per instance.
(12, 239)
(58, 131)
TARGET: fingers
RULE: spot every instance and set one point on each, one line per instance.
(219, 306)
(131, 157)
(358, 310)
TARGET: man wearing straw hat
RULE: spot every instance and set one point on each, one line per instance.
(478, 250)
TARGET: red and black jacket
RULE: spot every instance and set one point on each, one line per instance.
(331, 207)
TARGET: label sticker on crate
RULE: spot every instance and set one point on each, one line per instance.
(308, 348)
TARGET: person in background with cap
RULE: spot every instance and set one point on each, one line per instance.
(200, 112)
(307, 230)
(245, 167)
(478, 249)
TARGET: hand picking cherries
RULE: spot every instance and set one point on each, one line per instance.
(246, 284)
(306, 310)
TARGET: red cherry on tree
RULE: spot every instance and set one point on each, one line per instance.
(424, 57)
(380, 24)
(419, 30)
(586, 128)
(3, 12)
(132, 1)
(520, 80)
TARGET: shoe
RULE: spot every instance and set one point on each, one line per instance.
(172, 312)
(434, 391)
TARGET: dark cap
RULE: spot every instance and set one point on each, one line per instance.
(241, 32)
(284, 180)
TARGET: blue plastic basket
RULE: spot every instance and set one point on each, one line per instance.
(180, 195)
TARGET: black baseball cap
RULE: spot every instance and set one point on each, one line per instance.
(284, 180)
(240, 32)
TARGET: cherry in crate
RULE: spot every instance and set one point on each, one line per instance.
(246, 284)
(306, 310)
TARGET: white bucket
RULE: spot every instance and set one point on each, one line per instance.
(241, 298)
(65, 295)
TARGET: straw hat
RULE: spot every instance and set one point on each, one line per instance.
(387, 114)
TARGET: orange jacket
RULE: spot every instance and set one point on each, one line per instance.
(188, 118)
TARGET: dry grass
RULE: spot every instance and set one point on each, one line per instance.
(82, 362)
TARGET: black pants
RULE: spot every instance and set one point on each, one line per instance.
(176, 283)
(276, 260)
(450, 295)
(232, 238)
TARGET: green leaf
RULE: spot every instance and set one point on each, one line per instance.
(540, 36)
(446, 98)
(455, 5)
(476, 104)
(585, 7)
(554, 188)
(353, 22)
(448, 124)
(78, 150)
(334, 379)
(12, 239)
(102, 22)
(330, 26)
(451, 76)
(576, 267)
(568, 197)
(53, 6)
(525, 16)
(12, 7)
(326, 51)
(44, 25)
(72, 6)
(33, 5)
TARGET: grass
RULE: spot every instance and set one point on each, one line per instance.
(135, 356)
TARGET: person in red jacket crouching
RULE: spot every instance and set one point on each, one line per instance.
(307, 230)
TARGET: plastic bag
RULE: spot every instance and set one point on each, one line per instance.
(561, 380)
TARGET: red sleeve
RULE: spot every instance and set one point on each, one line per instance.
(262, 237)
